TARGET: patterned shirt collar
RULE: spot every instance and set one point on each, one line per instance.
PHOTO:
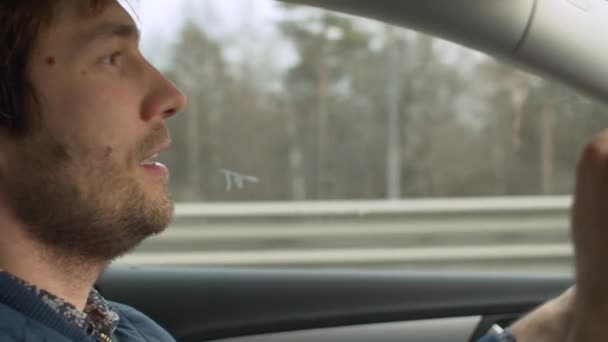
(97, 318)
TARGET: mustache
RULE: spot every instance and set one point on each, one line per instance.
(158, 136)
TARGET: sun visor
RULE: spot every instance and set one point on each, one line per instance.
(567, 40)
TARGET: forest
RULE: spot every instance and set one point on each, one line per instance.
(364, 111)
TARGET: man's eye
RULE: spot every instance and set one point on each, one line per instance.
(111, 59)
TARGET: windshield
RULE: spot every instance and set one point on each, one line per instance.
(316, 139)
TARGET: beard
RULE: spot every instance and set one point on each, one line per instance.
(85, 206)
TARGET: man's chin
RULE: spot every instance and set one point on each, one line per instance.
(162, 206)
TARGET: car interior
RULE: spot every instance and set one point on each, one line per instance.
(281, 304)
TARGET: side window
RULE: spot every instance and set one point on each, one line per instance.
(316, 139)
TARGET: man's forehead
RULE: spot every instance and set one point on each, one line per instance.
(132, 7)
(120, 20)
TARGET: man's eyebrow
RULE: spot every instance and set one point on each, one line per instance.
(108, 30)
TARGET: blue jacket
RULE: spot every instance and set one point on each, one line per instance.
(25, 318)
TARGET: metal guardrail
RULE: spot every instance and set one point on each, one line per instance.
(376, 207)
(519, 233)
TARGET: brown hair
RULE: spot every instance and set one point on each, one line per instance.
(21, 21)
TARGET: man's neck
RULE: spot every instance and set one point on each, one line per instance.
(66, 277)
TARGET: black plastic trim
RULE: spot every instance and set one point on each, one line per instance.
(202, 304)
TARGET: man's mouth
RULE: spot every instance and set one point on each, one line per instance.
(150, 160)
(152, 166)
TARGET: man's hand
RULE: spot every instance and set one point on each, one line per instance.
(581, 317)
(590, 236)
(548, 323)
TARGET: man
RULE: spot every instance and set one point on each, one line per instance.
(82, 117)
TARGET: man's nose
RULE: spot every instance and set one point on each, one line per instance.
(164, 99)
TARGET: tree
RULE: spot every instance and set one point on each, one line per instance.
(320, 87)
(198, 67)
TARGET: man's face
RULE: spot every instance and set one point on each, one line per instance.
(79, 182)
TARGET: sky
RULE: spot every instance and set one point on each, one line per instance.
(245, 24)
(161, 21)
(165, 16)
